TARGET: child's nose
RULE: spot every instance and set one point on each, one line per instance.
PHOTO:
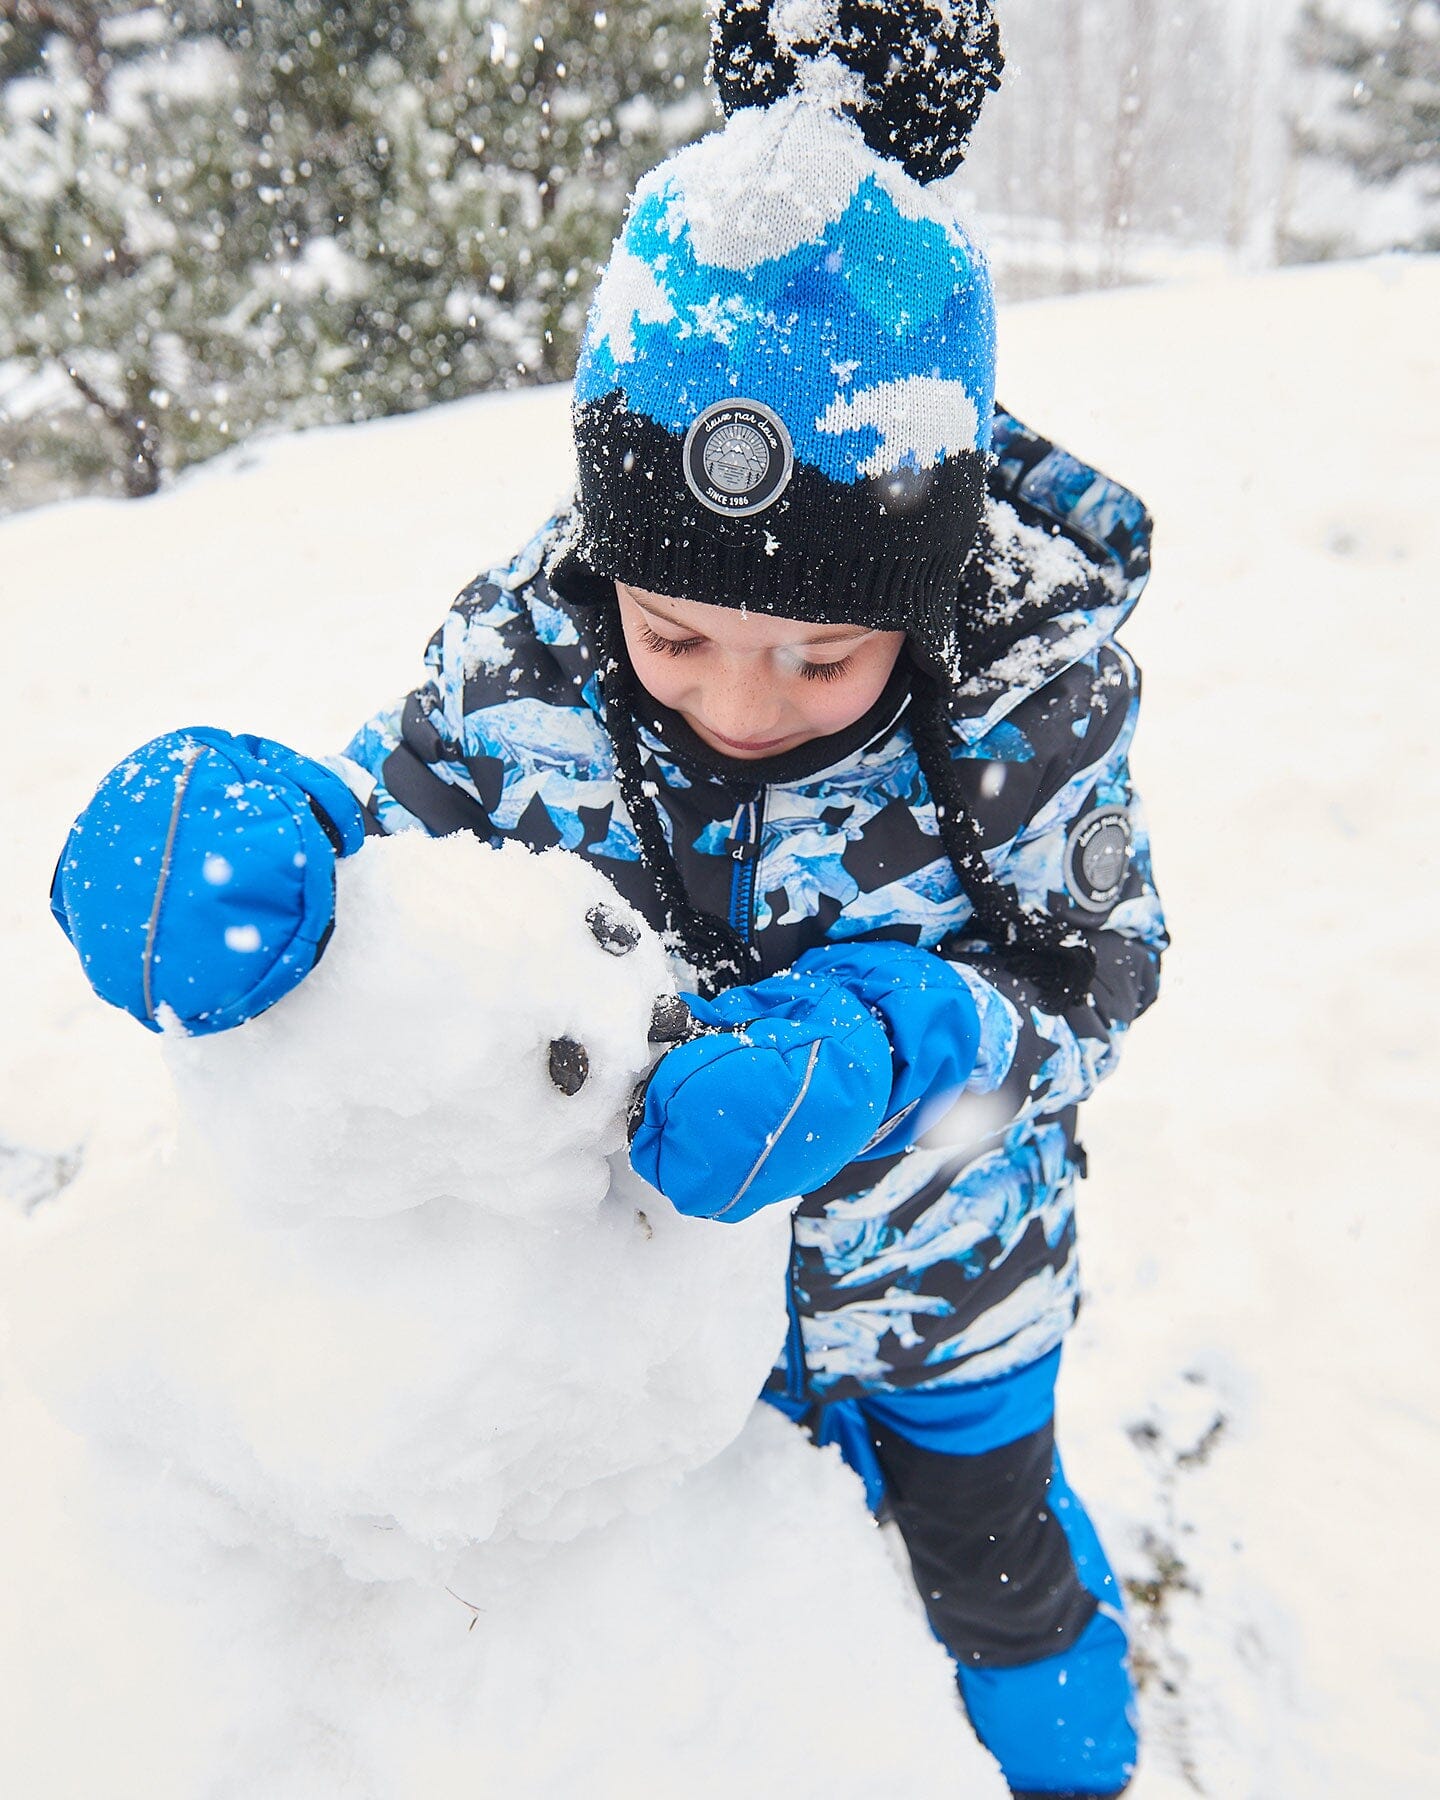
(742, 702)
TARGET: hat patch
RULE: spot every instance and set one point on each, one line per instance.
(1097, 858)
(738, 457)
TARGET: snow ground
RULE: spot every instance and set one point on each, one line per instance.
(1249, 1403)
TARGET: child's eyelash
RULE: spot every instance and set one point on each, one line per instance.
(829, 671)
(652, 640)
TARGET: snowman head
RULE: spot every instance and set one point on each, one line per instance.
(397, 1297)
(474, 1032)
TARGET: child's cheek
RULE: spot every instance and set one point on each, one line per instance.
(833, 706)
(835, 712)
(663, 677)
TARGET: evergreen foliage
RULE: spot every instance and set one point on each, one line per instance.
(226, 214)
(1368, 141)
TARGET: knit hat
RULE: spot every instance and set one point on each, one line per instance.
(784, 394)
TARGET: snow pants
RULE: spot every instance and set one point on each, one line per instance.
(1012, 1575)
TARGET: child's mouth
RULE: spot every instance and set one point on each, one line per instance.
(752, 746)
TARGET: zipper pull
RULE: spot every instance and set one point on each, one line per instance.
(744, 837)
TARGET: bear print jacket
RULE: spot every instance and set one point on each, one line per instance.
(955, 1261)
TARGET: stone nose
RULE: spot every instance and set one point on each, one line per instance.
(569, 1065)
(672, 1022)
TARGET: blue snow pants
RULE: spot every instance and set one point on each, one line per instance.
(1012, 1575)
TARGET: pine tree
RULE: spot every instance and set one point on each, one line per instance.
(233, 213)
(94, 266)
(1367, 140)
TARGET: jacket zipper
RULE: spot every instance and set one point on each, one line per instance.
(794, 1338)
(745, 833)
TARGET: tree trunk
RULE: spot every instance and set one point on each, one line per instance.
(137, 432)
(1135, 87)
(1072, 109)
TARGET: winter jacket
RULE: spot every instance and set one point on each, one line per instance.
(955, 1261)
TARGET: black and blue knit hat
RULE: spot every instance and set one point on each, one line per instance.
(785, 391)
(784, 395)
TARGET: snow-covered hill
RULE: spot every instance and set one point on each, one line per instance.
(1249, 1403)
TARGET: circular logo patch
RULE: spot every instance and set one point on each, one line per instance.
(738, 457)
(1097, 857)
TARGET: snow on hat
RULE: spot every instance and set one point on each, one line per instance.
(199, 884)
(784, 393)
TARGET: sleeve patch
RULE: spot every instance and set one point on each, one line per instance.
(1097, 858)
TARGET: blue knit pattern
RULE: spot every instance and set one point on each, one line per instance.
(877, 298)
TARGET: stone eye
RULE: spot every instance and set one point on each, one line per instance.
(671, 1021)
(569, 1065)
(610, 931)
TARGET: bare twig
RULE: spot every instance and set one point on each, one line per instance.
(474, 1610)
(142, 468)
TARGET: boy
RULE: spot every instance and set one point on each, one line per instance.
(820, 669)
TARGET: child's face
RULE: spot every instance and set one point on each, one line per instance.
(750, 685)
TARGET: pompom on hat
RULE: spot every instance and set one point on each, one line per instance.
(784, 394)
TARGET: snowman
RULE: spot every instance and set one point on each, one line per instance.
(387, 1436)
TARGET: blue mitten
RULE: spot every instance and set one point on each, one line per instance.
(930, 1018)
(782, 1087)
(201, 877)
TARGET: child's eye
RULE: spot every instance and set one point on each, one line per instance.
(828, 671)
(652, 640)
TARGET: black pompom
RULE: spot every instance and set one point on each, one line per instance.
(925, 78)
(747, 66)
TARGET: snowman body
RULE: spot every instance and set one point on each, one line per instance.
(390, 1437)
